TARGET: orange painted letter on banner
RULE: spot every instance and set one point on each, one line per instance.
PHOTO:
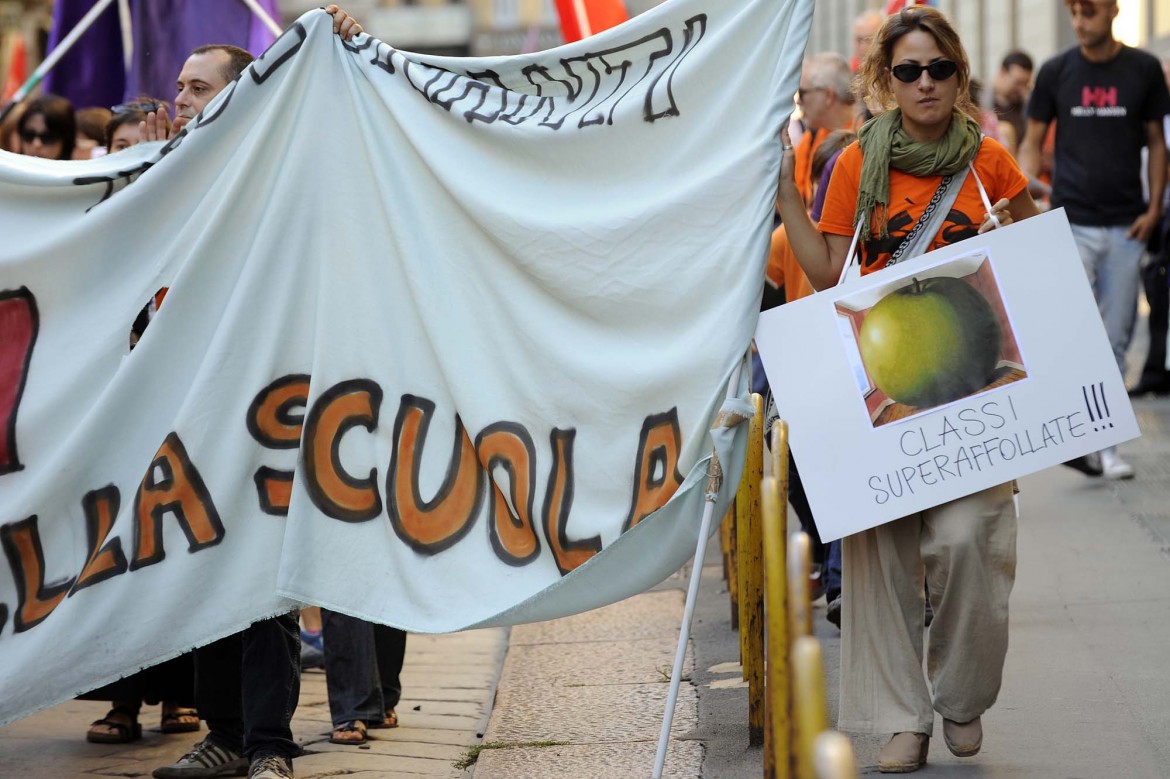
(508, 446)
(558, 499)
(344, 406)
(105, 560)
(656, 476)
(22, 546)
(173, 485)
(430, 526)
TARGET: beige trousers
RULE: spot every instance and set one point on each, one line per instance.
(966, 549)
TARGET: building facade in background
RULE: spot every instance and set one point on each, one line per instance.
(991, 28)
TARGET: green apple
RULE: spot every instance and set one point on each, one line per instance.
(930, 342)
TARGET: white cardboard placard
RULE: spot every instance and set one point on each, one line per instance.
(1053, 393)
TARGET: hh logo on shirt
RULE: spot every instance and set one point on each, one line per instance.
(1098, 101)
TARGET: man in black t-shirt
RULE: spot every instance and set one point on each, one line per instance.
(1108, 101)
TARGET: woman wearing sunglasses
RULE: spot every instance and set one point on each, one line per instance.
(48, 128)
(904, 187)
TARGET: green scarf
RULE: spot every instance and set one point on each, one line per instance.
(885, 145)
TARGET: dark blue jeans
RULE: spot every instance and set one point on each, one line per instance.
(363, 662)
(832, 573)
(247, 685)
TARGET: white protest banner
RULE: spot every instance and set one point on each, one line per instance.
(443, 342)
(941, 376)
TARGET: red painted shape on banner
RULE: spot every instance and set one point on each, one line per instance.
(582, 18)
(18, 333)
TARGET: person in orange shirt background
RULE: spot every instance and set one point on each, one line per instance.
(826, 104)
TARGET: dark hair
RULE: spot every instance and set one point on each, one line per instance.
(874, 78)
(238, 59)
(833, 143)
(59, 119)
(131, 113)
(1019, 59)
(91, 122)
(131, 116)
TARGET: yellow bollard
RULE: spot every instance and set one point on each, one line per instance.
(778, 719)
(742, 556)
(799, 602)
(727, 532)
(810, 714)
(753, 593)
(833, 756)
(780, 457)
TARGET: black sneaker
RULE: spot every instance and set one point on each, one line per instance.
(833, 612)
(1089, 464)
(206, 760)
(271, 767)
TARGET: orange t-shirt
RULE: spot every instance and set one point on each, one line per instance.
(806, 149)
(909, 195)
(784, 270)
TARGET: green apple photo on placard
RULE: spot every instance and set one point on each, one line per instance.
(928, 340)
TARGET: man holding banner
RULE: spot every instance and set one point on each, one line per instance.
(904, 189)
(258, 667)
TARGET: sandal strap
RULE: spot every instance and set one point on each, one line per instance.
(121, 727)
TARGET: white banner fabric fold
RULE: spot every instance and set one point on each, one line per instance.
(443, 342)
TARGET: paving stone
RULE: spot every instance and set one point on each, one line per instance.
(630, 712)
(641, 661)
(649, 615)
(591, 761)
(379, 746)
(343, 763)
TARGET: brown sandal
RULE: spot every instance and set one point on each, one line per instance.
(116, 732)
(179, 719)
(351, 733)
(391, 721)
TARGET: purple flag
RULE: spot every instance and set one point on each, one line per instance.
(92, 72)
(165, 32)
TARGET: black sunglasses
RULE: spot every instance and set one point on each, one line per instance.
(939, 70)
(47, 137)
(148, 106)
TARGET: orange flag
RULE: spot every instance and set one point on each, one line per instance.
(17, 68)
(582, 18)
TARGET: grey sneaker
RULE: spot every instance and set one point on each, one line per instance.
(206, 760)
(271, 767)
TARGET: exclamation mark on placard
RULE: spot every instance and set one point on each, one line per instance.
(1099, 404)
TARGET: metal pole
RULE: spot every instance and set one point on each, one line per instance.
(55, 55)
(684, 635)
(714, 485)
(126, 23)
(263, 16)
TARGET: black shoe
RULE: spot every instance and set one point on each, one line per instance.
(1150, 387)
(1089, 464)
(833, 613)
